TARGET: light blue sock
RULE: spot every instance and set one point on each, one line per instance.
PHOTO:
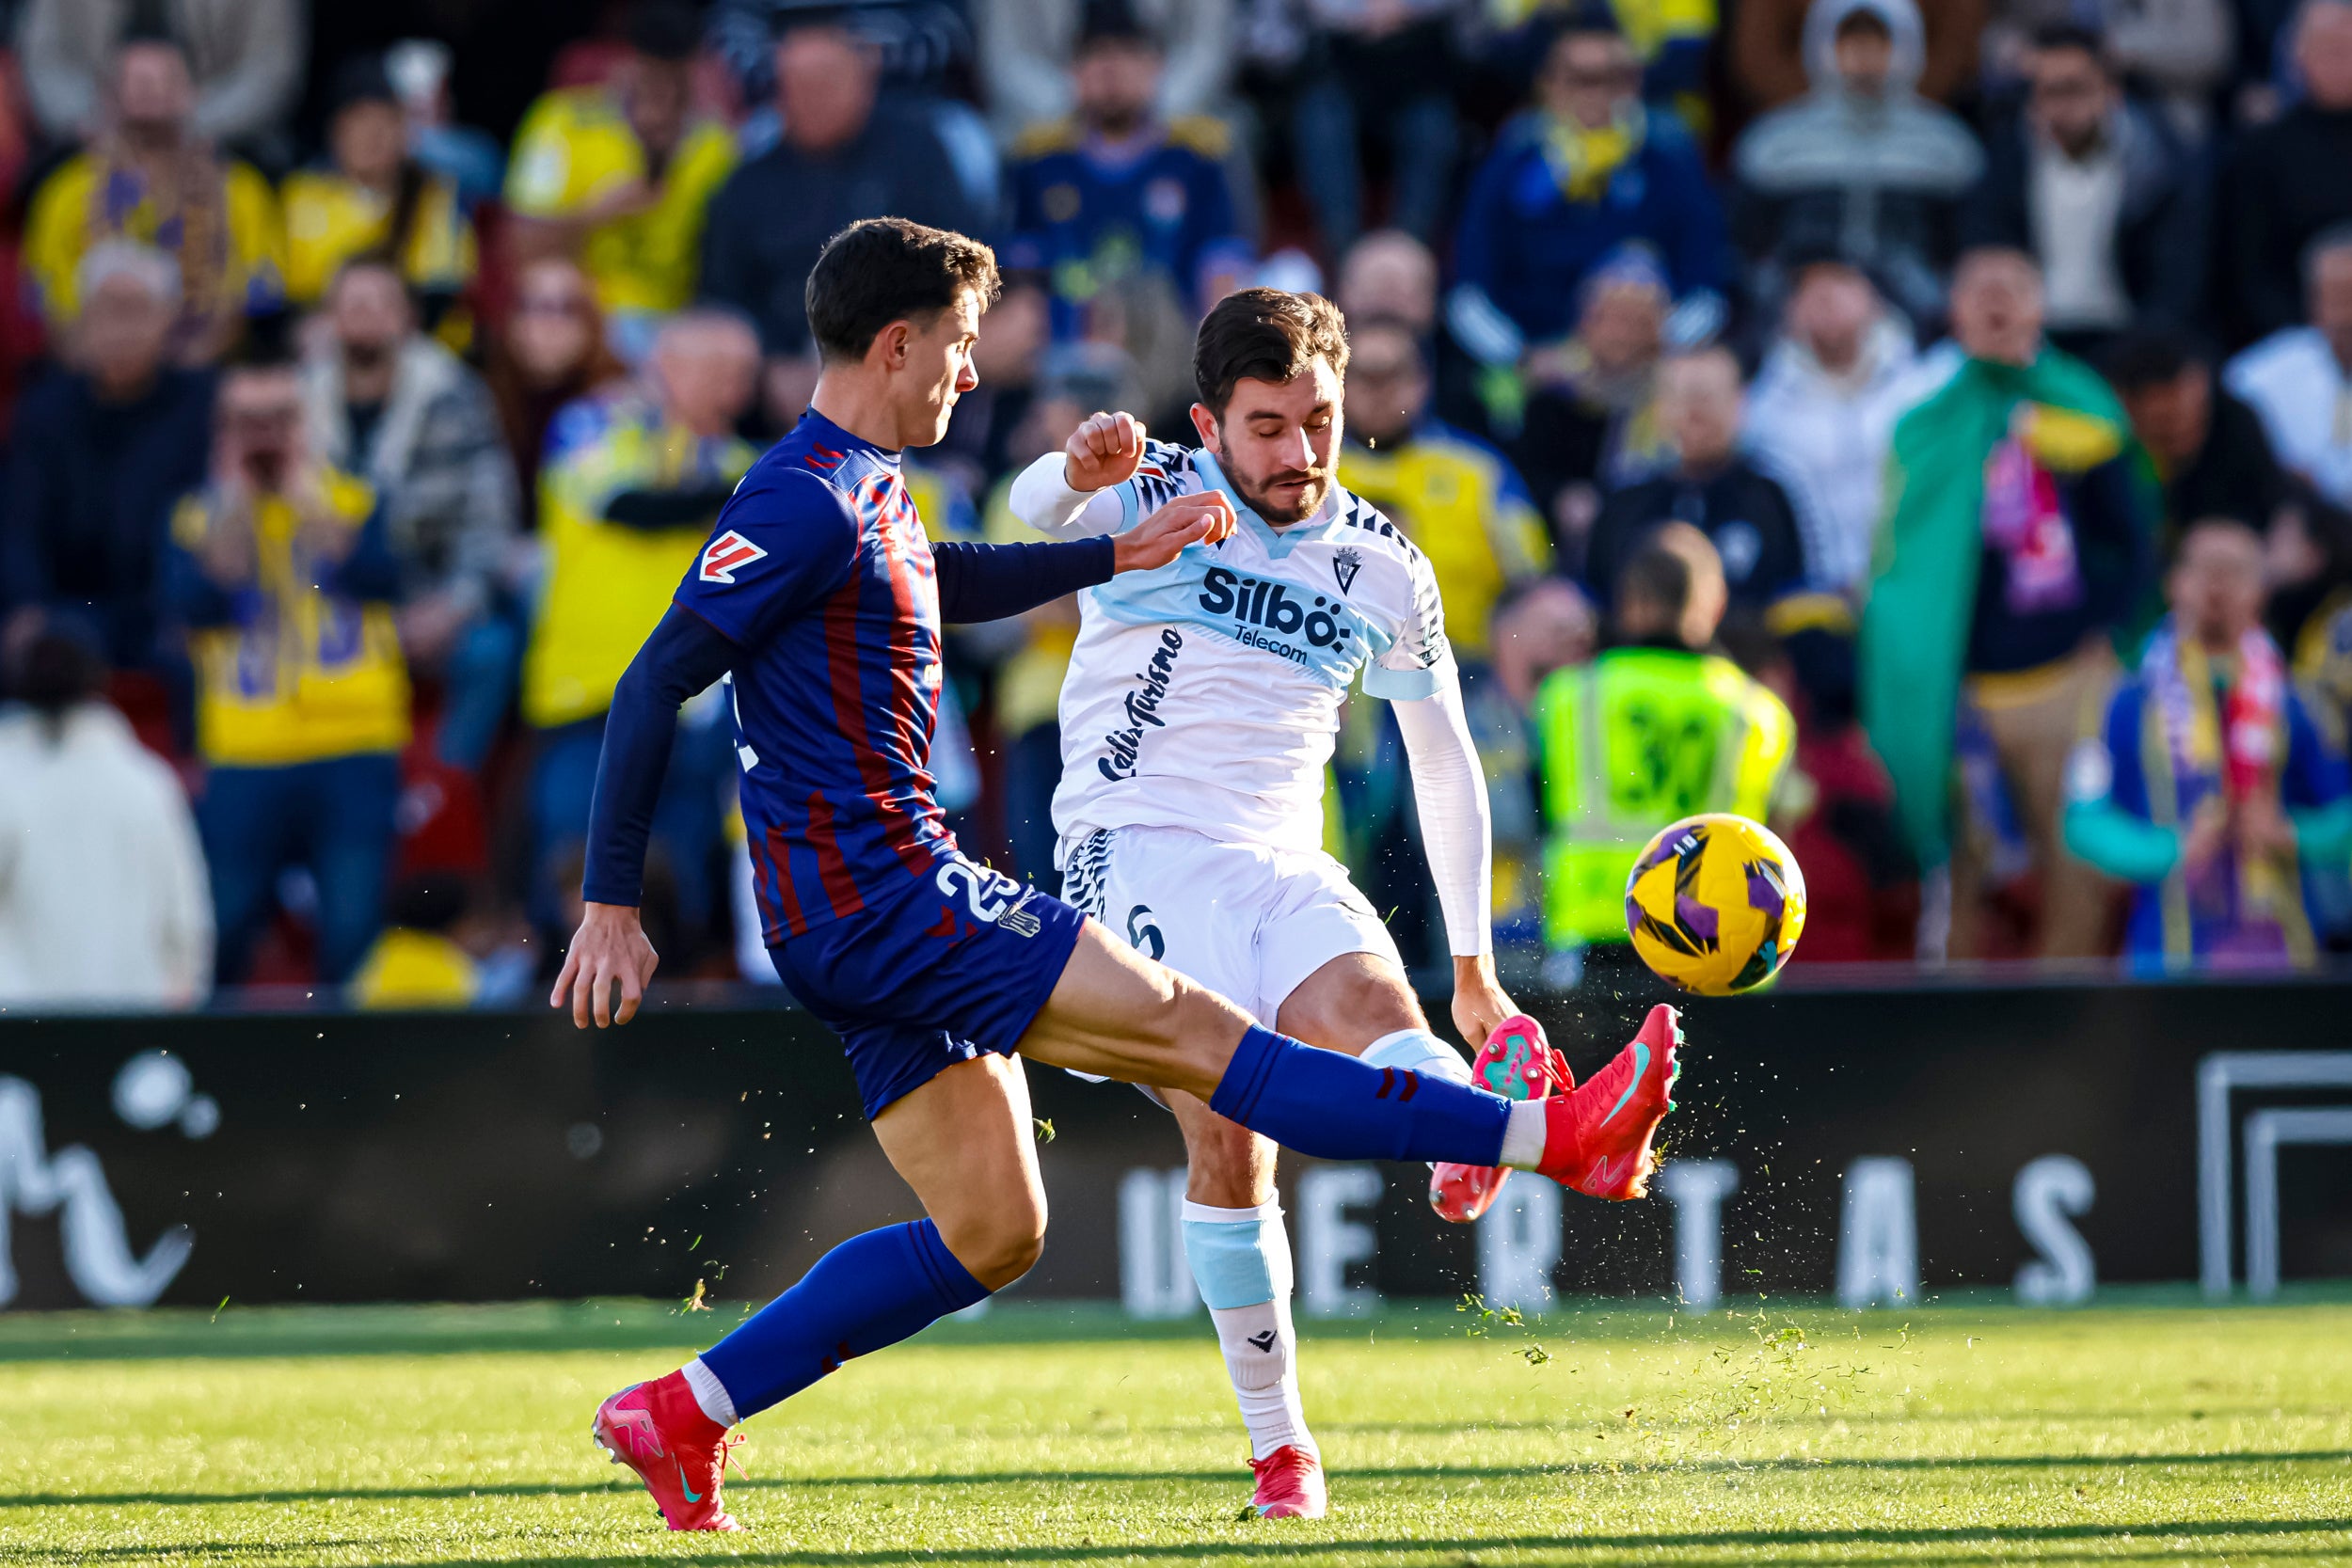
(1241, 1260)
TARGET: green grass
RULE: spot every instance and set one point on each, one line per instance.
(1610, 1435)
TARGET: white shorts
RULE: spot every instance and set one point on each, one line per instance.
(1245, 920)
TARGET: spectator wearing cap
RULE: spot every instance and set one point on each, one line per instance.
(281, 574)
(1589, 421)
(371, 196)
(103, 445)
(1711, 486)
(1382, 67)
(2017, 545)
(2101, 191)
(846, 153)
(620, 176)
(395, 408)
(245, 62)
(631, 482)
(2299, 379)
(150, 178)
(1823, 407)
(102, 895)
(1114, 192)
(2288, 182)
(1582, 174)
(1028, 49)
(2210, 787)
(1862, 166)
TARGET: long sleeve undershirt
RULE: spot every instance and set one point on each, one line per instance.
(1457, 831)
(686, 654)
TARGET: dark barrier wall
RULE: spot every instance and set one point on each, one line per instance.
(339, 1158)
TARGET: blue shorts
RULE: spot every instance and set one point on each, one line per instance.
(958, 964)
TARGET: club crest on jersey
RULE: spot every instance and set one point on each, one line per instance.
(1345, 563)
(726, 555)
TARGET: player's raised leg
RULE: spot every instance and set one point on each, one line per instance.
(962, 1141)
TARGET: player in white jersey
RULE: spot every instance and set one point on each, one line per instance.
(1198, 715)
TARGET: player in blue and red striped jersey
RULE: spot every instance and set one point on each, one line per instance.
(820, 602)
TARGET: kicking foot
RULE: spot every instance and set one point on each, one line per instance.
(656, 1430)
(1516, 1063)
(1290, 1485)
(1597, 1139)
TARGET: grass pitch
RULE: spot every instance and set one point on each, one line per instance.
(1605, 1436)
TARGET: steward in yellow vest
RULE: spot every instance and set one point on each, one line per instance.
(1651, 731)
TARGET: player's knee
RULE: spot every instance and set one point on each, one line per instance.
(1002, 1247)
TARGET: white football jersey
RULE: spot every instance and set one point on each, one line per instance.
(1205, 694)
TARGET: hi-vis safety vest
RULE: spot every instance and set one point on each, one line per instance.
(1636, 739)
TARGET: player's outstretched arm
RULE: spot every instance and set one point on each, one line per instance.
(684, 655)
(989, 582)
(1073, 491)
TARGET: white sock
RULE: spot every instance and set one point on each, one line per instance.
(1241, 1260)
(1523, 1135)
(710, 1392)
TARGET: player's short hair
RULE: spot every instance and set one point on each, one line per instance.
(880, 269)
(1265, 335)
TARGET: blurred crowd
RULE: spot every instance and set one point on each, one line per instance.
(1923, 425)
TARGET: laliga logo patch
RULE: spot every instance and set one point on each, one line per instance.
(726, 553)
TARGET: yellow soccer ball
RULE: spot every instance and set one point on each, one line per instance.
(1715, 904)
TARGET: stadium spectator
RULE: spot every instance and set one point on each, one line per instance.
(104, 444)
(417, 961)
(620, 176)
(1711, 486)
(2101, 191)
(150, 178)
(2299, 379)
(551, 354)
(1574, 179)
(1114, 192)
(1383, 68)
(631, 482)
(1862, 889)
(469, 158)
(2289, 181)
(395, 408)
(2174, 52)
(1456, 498)
(2016, 545)
(102, 895)
(281, 572)
(2210, 787)
(1027, 48)
(244, 60)
(844, 156)
(1862, 166)
(373, 197)
(1822, 408)
(1680, 730)
(2205, 448)
(1590, 420)
(1777, 47)
(1390, 275)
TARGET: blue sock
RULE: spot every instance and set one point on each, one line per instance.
(871, 1290)
(1334, 1107)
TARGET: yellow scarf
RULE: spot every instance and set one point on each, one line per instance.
(1583, 160)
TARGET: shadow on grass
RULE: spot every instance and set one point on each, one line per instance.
(1161, 1478)
(1740, 1546)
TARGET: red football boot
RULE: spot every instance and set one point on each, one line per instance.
(1597, 1139)
(659, 1431)
(1290, 1485)
(1516, 1063)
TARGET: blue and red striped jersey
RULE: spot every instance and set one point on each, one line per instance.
(819, 570)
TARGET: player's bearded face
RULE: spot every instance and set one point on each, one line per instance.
(1277, 441)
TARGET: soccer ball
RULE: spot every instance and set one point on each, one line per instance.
(1715, 904)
